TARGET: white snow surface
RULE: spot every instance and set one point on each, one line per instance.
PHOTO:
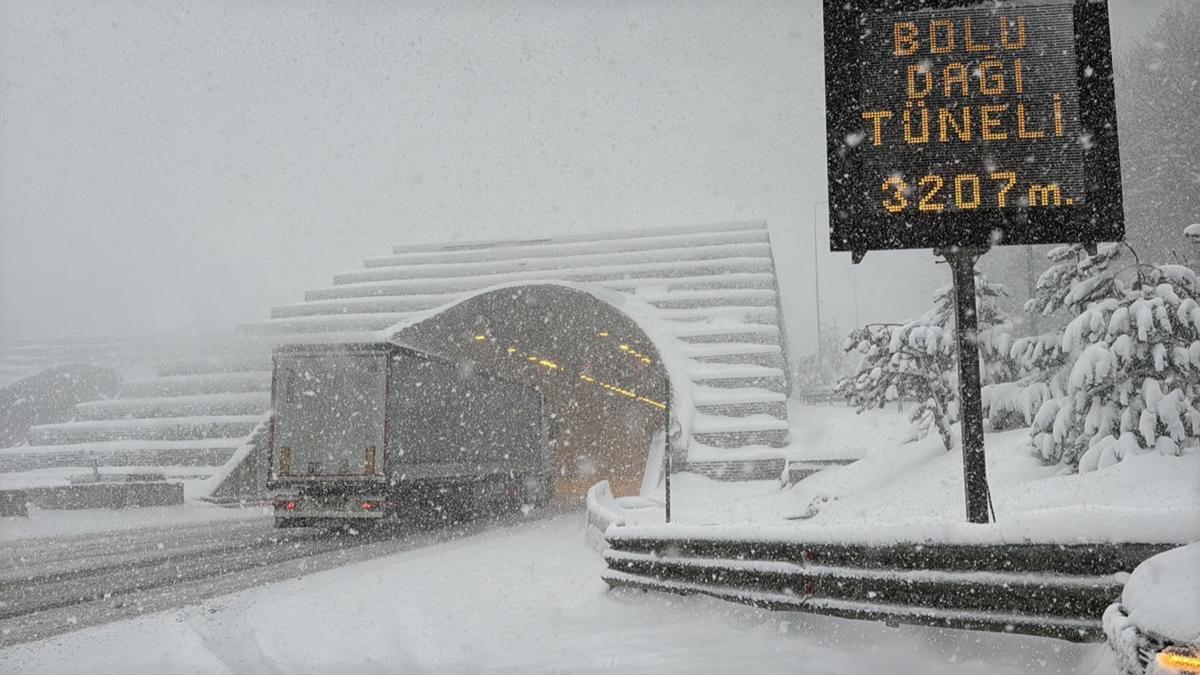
(913, 492)
(523, 599)
(838, 432)
(1162, 595)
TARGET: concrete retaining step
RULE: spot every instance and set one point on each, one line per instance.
(148, 429)
(107, 495)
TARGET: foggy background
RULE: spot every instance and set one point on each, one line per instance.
(171, 167)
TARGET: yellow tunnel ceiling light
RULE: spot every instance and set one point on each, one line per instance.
(656, 404)
(636, 354)
(623, 392)
(552, 366)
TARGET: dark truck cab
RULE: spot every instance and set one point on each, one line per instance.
(366, 432)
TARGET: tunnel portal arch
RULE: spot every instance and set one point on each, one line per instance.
(605, 382)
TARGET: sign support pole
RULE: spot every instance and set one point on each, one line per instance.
(970, 412)
(667, 454)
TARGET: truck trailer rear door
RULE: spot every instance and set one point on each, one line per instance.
(329, 415)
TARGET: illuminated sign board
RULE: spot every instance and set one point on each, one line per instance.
(969, 123)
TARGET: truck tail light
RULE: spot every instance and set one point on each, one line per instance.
(285, 461)
(370, 506)
(286, 505)
(370, 469)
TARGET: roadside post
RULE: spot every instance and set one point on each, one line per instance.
(959, 125)
(667, 453)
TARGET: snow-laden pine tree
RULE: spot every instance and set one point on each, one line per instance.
(1038, 361)
(918, 360)
(1122, 375)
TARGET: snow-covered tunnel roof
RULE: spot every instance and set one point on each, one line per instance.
(705, 295)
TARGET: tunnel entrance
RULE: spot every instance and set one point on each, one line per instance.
(601, 375)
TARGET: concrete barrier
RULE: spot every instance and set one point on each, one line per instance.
(107, 495)
(1049, 590)
(602, 511)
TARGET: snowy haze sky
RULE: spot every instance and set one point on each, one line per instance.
(171, 166)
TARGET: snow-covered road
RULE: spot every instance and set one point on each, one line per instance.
(525, 597)
(53, 585)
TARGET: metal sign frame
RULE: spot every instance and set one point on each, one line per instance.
(857, 228)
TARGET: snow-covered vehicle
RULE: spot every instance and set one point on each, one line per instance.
(374, 431)
(1155, 628)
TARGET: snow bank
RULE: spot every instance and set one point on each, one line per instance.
(913, 492)
(867, 476)
(1046, 527)
(838, 432)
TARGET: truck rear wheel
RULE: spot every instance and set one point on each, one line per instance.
(536, 491)
(547, 494)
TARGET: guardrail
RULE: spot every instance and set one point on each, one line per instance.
(1048, 590)
(602, 511)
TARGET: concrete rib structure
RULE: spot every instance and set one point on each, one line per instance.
(712, 287)
(183, 408)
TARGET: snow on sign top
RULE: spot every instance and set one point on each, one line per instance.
(970, 123)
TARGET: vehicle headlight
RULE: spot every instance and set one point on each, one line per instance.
(1179, 660)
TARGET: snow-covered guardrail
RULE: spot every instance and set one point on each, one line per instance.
(1047, 590)
(602, 511)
